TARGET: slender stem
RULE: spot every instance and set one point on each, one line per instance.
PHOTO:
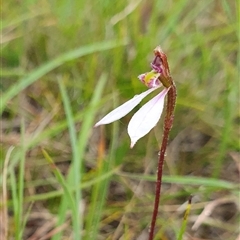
(168, 122)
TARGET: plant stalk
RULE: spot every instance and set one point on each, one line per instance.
(168, 122)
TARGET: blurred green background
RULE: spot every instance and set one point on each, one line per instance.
(64, 65)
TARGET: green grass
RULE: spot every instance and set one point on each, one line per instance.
(64, 65)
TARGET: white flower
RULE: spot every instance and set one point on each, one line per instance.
(147, 116)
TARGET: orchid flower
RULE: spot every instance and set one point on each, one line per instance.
(149, 114)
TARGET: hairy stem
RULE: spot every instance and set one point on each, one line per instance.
(168, 122)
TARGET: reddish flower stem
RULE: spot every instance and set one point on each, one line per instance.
(168, 122)
(165, 78)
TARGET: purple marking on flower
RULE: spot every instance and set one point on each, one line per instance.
(157, 64)
(141, 77)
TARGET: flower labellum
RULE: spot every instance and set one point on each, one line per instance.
(150, 79)
(149, 114)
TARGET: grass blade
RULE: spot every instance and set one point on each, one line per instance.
(44, 69)
(75, 158)
(87, 124)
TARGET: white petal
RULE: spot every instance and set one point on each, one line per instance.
(146, 117)
(125, 108)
